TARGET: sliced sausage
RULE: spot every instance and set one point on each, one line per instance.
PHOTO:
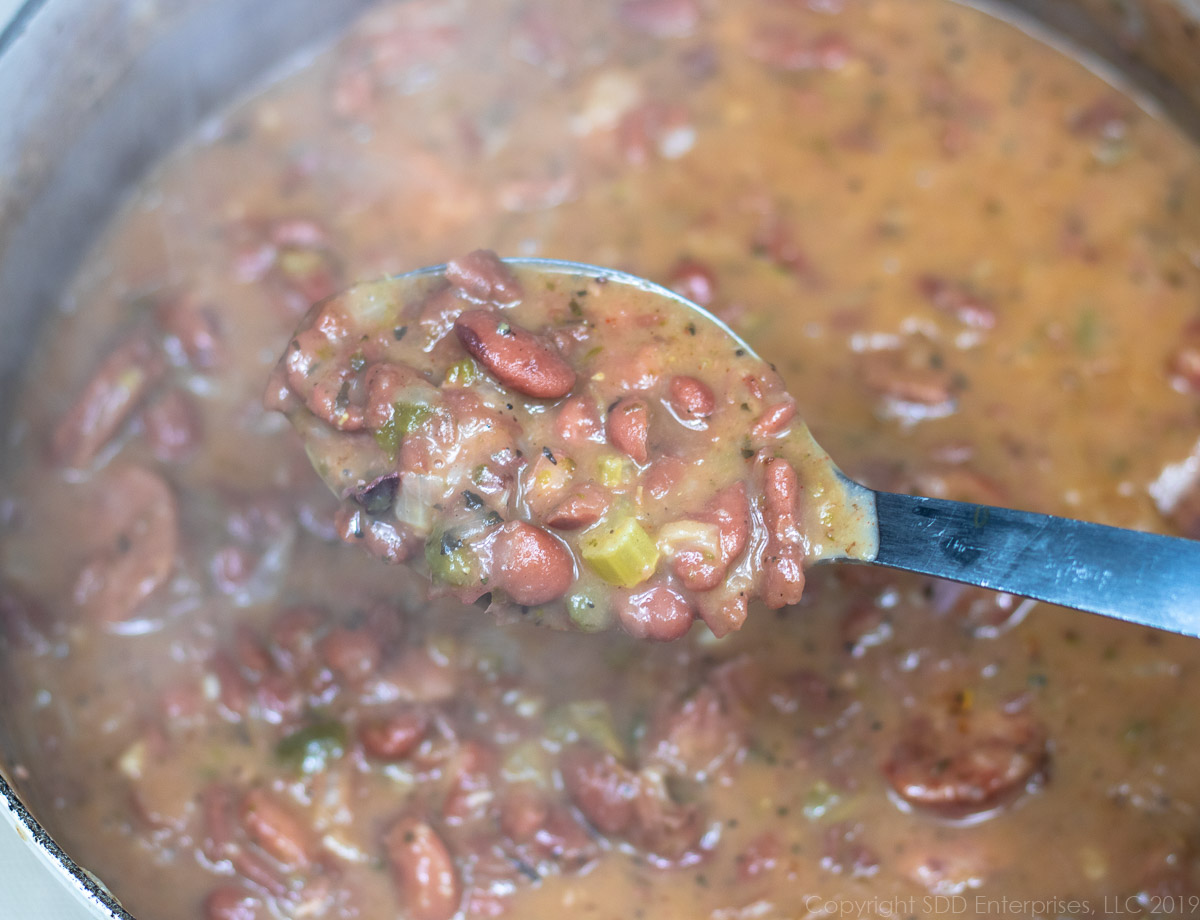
(967, 762)
(118, 387)
(516, 357)
(583, 507)
(131, 517)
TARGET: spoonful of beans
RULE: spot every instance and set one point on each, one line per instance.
(582, 448)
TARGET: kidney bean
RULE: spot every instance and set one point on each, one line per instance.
(690, 398)
(395, 736)
(523, 812)
(23, 621)
(774, 420)
(173, 426)
(131, 517)
(388, 383)
(352, 655)
(260, 872)
(192, 332)
(789, 50)
(119, 385)
(723, 611)
(601, 788)
(423, 870)
(582, 508)
(783, 577)
(694, 280)
(729, 509)
(532, 566)
(281, 700)
(969, 762)
(216, 814)
(484, 278)
(1184, 366)
(696, 736)
(658, 613)
(958, 300)
(231, 903)
(890, 375)
(272, 826)
(578, 421)
(660, 18)
(473, 767)
(514, 356)
(664, 474)
(629, 427)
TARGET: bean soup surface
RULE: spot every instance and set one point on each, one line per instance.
(976, 267)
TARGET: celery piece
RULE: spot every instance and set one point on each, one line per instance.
(614, 470)
(588, 614)
(450, 560)
(527, 762)
(585, 720)
(311, 749)
(620, 552)
(462, 373)
(406, 418)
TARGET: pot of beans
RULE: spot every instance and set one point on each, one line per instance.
(960, 241)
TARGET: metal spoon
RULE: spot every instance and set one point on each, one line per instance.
(1130, 575)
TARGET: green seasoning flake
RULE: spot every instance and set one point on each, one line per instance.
(311, 749)
(620, 552)
(406, 418)
(450, 560)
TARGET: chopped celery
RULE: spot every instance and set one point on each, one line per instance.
(463, 373)
(587, 614)
(527, 762)
(620, 552)
(311, 749)
(450, 560)
(614, 470)
(406, 418)
(585, 720)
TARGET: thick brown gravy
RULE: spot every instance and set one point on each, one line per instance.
(976, 266)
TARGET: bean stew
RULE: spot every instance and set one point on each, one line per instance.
(575, 449)
(974, 264)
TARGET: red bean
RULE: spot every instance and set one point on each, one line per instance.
(532, 566)
(261, 872)
(514, 356)
(729, 509)
(660, 18)
(774, 420)
(134, 521)
(783, 575)
(192, 330)
(658, 613)
(601, 788)
(523, 813)
(231, 903)
(629, 428)
(694, 280)
(582, 508)
(352, 654)
(483, 277)
(691, 398)
(274, 828)
(216, 811)
(173, 427)
(959, 300)
(423, 870)
(578, 420)
(116, 389)
(394, 737)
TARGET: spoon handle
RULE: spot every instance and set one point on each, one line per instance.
(1140, 577)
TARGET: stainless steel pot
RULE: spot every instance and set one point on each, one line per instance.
(94, 91)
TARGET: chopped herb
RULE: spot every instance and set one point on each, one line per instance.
(549, 455)
(399, 332)
(473, 500)
(311, 749)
